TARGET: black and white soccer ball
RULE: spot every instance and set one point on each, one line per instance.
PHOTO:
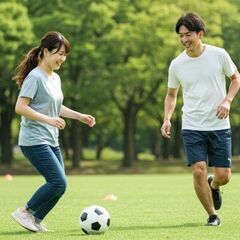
(94, 220)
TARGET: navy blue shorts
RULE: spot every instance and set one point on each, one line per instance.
(213, 147)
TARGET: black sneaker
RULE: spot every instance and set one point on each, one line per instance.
(213, 220)
(216, 195)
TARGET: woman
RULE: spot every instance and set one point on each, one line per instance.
(40, 105)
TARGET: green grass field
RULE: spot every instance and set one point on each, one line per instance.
(148, 207)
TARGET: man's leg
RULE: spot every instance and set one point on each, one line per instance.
(221, 177)
(202, 188)
(204, 192)
(219, 156)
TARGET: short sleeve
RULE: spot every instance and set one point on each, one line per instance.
(229, 67)
(29, 87)
(173, 81)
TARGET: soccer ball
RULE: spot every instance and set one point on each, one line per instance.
(94, 220)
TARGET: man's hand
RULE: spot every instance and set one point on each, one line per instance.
(166, 129)
(224, 109)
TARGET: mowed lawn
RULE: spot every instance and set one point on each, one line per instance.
(148, 207)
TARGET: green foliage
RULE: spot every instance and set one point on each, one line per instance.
(15, 34)
(120, 49)
(139, 52)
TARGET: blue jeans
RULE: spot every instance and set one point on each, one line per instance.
(49, 163)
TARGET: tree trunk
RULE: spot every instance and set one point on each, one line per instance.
(0, 142)
(129, 136)
(6, 135)
(235, 140)
(99, 152)
(100, 145)
(76, 144)
(65, 144)
(165, 148)
(176, 148)
(157, 146)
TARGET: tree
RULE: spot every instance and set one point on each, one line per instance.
(137, 61)
(15, 34)
(117, 69)
(83, 23)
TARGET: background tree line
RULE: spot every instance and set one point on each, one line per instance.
(117, 68)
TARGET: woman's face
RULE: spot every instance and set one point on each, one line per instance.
(55, 59)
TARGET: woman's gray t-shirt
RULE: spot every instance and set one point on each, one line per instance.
(46, 98)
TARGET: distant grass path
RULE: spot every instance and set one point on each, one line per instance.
(149, 207)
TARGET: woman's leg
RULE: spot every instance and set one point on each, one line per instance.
(44, 210)
(48, 162)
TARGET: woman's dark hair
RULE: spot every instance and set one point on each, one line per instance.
(51, 41)
(192, 21)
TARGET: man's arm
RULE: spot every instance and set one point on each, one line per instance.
(169, 106)
(224, 107)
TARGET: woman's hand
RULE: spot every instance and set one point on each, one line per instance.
(56, 122)
(87, 119)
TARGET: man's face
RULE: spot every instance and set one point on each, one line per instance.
(190, 40)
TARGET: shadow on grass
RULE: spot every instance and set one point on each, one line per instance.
(19, 233)
(78, 232)
(143, 227)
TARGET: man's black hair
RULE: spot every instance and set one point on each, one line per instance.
(192, 21)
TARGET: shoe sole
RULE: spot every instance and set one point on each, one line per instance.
(46, 231)
(31, 230)
(210, 225)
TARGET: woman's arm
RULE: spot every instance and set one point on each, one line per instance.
(22, 108)
(85, 118)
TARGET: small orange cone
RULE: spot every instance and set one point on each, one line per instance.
(8, 177)
(110, 197)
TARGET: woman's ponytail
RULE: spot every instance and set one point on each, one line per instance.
(29, 62)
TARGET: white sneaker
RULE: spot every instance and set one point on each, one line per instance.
(25, 219)
(42, 227)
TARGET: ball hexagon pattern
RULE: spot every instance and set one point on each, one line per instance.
(94, 220)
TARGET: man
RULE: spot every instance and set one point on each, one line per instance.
(200, 70)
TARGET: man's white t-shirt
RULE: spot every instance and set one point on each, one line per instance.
(203, 86)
